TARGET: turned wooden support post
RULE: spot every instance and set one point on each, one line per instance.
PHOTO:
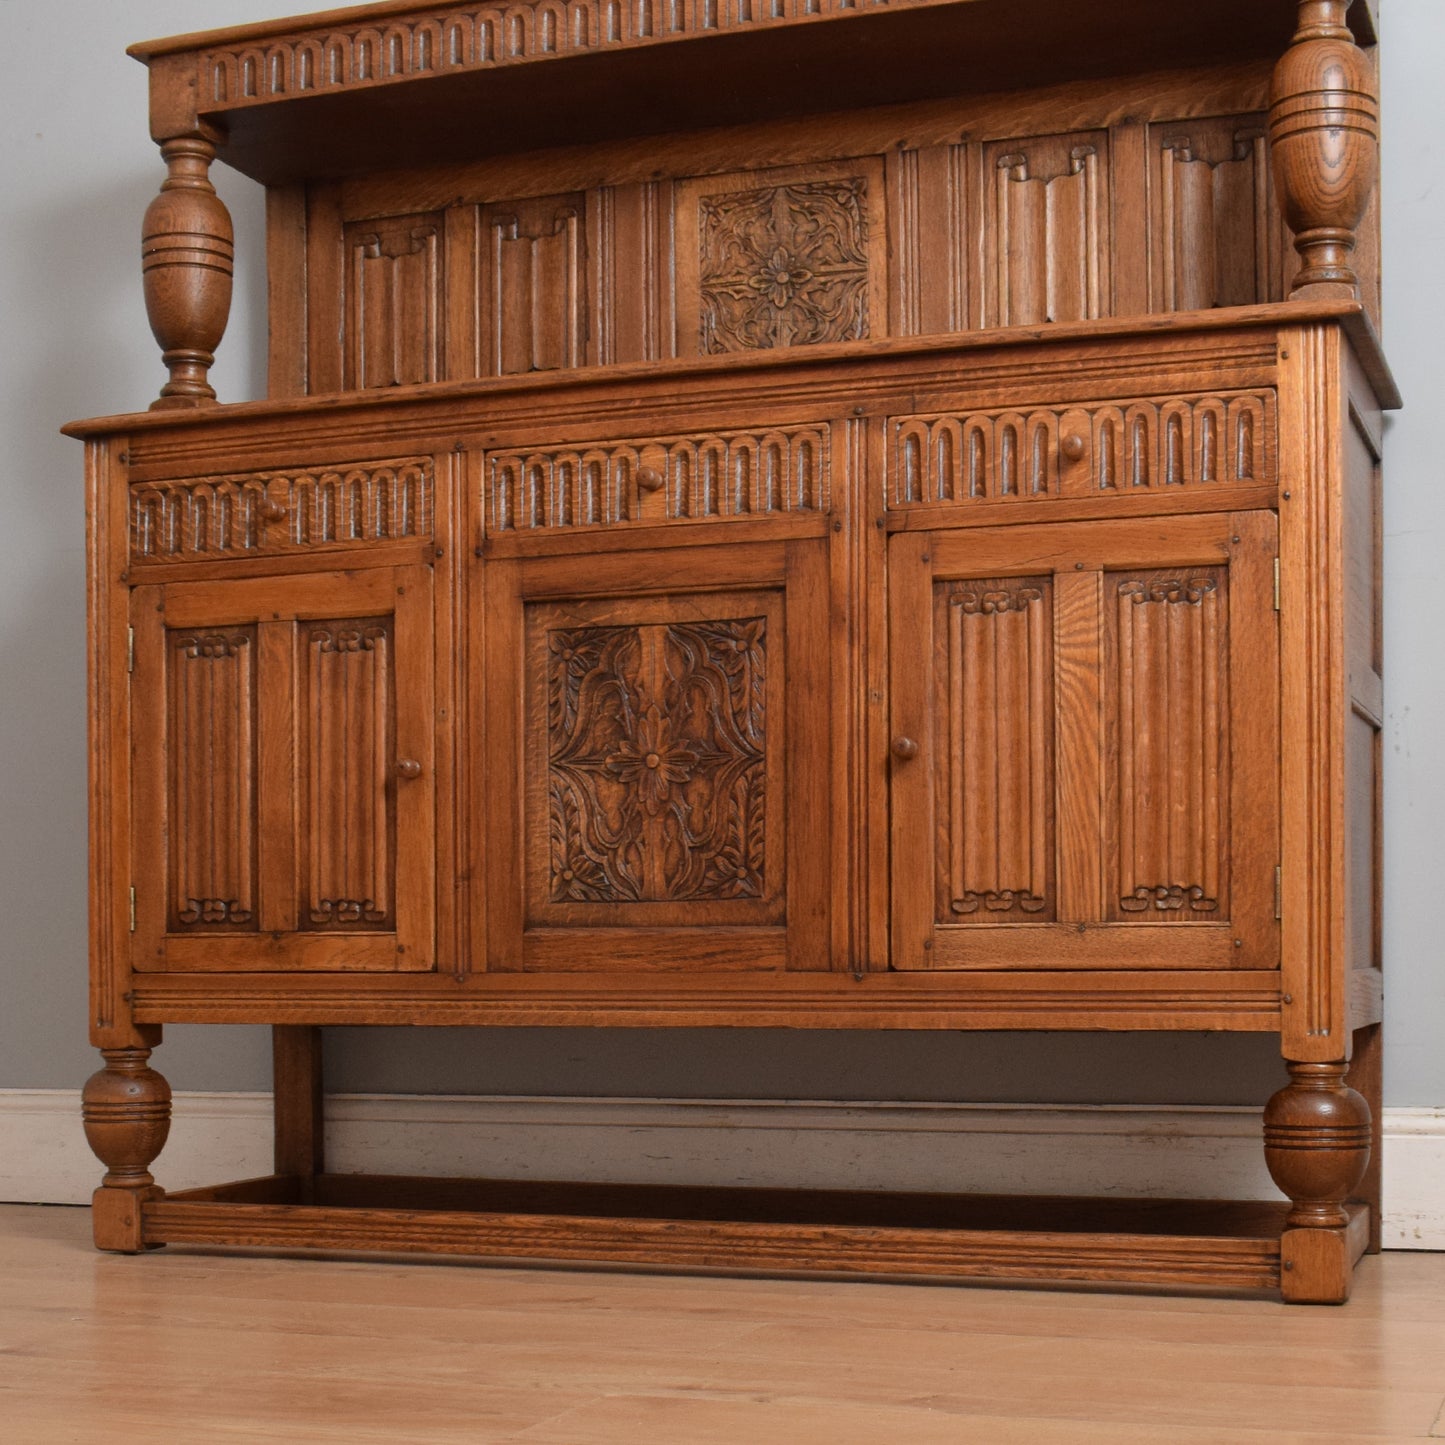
(127, 1113)
(187, 251)
(1324, 124)
(1317, 1137)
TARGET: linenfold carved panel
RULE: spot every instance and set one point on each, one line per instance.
(453, 38)
(1218, 236)
(1048, 236)
(533, 276)
(346, 710)
(996, 737)
(394, 317)
(213, 779)
(656, 784)
(725, 474)
(1167, 705)
(281, 511)
(1110, 450)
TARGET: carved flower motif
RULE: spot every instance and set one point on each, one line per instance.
(651, 762)
(781, 276)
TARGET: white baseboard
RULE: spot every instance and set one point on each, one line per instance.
(1152, 1152)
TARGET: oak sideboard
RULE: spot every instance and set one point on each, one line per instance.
(768, 513)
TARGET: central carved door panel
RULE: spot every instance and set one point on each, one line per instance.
(283, 791)
(658, 735)
(1085, 721)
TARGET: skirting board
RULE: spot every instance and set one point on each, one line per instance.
(1150, 1152)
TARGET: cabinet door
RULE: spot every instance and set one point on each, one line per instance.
(1085, 767)
(283, 787)
(657, 760)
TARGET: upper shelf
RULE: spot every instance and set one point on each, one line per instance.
(381, 86)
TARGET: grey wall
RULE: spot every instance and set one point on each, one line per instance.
(79, 172)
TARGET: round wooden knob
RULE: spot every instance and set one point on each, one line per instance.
(1072, 447)
(650, 479)
(408, 768)
(904, 748)
(271, 510)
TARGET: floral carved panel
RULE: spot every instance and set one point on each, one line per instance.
(657, 786)
(787, 263)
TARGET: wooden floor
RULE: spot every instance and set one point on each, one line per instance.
(191, 1347)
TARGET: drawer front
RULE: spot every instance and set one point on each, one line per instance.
(706, 477)
(281, 512)
(1093, 450)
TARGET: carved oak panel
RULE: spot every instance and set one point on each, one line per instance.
(347, 707)
(394, 312)
(213, 785)
(656, 785)
(993, 671)
(1048, 230)
(778, 258)
(656, 730)
(1166, 690)
(1217, 235)
(533, 281)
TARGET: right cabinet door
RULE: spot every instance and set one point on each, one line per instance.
(1085, 725)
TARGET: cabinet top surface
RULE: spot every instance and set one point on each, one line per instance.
(784, 371)
(378, 87)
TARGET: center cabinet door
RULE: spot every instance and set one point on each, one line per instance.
(657, 759)
(1085, 745)
(283, 785)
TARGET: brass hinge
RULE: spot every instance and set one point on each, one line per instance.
(130, 649)
(1276, 584)
(1278, 892)
(132, 907)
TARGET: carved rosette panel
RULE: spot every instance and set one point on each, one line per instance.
(726, 474)
(995, 791)
(213, 779)
(394, 313)
(1218, 235)
(784, 265)
(534, 282)
(656, 762)
(1048, 234)
(282, 511)
(1123, 447)
(346, 702)
(448, 39)
(1166, 691)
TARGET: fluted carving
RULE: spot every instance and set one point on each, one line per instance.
(1317, 1144)
(187, 250)
(1324, 131)
(127, 1112)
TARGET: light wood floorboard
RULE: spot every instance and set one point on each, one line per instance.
(183, 1347)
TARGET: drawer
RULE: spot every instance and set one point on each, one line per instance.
(706, 477)
(280, 512)
(1092, 450)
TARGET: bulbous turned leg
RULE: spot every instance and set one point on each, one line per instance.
(187, 255)
(1317, 1145)
(1324, 140)
(127, 1113)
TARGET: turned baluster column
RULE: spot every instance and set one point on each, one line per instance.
(127, 1112)
(1317, 1139)
(187, 252)
(1324, 124)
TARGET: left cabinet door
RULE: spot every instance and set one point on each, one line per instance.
(282, 773)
